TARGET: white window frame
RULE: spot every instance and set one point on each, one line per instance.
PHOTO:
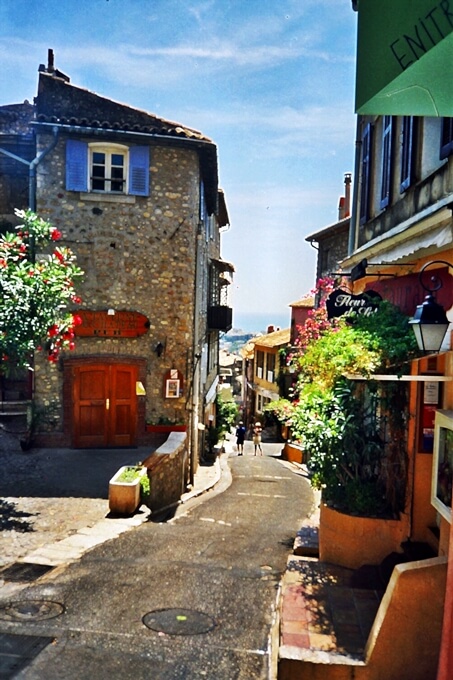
(109, 150)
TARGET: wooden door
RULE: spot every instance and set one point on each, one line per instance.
(105, 405)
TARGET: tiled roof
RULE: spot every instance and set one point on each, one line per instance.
(60, 102)
(307, 301)
(275, 339)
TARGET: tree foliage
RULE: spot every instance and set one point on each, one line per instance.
(37, 290)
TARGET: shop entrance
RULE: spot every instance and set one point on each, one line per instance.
(104, 405)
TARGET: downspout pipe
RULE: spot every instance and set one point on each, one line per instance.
(355, 193)
(32, 165)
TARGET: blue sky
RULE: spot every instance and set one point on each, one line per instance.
(271, 82)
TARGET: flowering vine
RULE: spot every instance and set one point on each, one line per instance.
(37, 280)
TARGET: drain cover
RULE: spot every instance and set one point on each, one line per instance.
(17, 651)
(179, 621)
(24, 571)
(30, 610)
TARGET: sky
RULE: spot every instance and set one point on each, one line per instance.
(271, 82)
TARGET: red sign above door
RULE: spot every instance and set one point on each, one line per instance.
(111, 324)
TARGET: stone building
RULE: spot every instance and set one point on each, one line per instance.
(137, 199)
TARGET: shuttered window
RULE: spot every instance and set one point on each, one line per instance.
(446, 141)
(365, 189)
(104, 168)
(408, 151)
(386, 174)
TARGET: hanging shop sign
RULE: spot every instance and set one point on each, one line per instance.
(404, 56)
(343, 303)
(111, 323)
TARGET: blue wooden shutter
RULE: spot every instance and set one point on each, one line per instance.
(76, 165)
(139, 170)
(386, 176)
(366, 175)
(446, 140)
(407, 153)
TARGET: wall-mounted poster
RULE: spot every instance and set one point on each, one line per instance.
(173, 384)
(442, 480)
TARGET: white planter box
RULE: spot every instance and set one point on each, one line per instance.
(124, 497)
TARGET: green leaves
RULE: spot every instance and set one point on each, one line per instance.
(36, 293)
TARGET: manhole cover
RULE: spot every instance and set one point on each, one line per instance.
(24, 571)
(179, 621)
(30, 610)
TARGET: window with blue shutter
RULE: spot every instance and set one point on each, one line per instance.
(139, 170)
(386, 175)
(76, 165)
(408, 150)
(365, 189)
(446, 140)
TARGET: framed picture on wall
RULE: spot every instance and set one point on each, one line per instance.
(442, 479)
(172, 389)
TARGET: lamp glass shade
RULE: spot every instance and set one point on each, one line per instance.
(430, 325)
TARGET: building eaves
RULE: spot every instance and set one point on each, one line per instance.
(306, 302)
(61, 102)
(328, 231)
(275, 339)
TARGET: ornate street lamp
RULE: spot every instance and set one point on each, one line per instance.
(430, 323)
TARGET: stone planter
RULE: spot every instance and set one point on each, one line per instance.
(351, 541)
(124, 497)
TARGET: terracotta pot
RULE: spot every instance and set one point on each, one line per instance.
(351, 541)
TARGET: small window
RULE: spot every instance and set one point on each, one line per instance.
(386, 175)
(365, 189)
(108, 169)
(408, 149)
(446, 141)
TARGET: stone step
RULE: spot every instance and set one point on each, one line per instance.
(306, 542)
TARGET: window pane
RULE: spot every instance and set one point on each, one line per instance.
(98, 185)
(98, 171)
(117, 173)
(117, 186)
(117, 159)
(99, 157)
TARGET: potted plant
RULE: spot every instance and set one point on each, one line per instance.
(353, 432)
(165, 425)
(127, 488)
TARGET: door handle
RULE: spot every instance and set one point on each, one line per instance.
(107, 404)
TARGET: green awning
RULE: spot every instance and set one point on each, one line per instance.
(405, 57)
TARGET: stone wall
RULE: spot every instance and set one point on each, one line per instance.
(168, 472)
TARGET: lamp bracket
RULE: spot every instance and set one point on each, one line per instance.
(436, 283)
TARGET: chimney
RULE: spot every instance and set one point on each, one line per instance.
(347, 195)
(50, 61)
(270, 329)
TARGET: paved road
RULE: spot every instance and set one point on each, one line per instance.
(214, 569)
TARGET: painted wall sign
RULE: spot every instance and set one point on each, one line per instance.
(343, 303)
(111, 324)
(404, 50)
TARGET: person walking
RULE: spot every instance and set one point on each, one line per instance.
(257, 430)
(240, 437)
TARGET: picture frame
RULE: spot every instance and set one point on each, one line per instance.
(172, 389)
(442, 474)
